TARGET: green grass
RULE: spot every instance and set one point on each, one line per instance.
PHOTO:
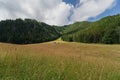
(63, 61)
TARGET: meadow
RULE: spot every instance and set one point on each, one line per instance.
(59, 61)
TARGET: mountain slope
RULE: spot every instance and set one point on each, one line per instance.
(72, 28)
(26, 31)
(106, 30)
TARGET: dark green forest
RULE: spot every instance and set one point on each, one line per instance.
(106, 30)
(26, 31)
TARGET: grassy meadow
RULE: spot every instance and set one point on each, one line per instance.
(59, 61)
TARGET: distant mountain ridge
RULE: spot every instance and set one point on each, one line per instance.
(106, 30)
(28, 31)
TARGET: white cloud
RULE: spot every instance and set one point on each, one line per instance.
(50, 11)
(58, 15)
(53, 12)
(90, 8)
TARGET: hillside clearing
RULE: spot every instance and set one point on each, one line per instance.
(61, 61)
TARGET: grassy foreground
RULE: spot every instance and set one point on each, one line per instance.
(59, 61)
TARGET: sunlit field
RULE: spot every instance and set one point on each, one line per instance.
(59, 61)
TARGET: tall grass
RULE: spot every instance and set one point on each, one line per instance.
(27, 64)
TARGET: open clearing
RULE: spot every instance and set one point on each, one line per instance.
(59, 61)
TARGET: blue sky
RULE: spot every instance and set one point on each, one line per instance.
(113, 11)
(58, 12)
(73, 2)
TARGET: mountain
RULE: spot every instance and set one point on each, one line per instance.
(72, 28)
(59, 29)
(26, 31)
(106, 30)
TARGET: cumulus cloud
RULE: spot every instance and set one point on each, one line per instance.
(53, 12)
(90, 8)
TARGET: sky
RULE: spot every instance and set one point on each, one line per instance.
(58, 12)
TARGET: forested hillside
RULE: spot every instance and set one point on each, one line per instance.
(72, 28)
(106, 30)
(26, 31)
(59, 29)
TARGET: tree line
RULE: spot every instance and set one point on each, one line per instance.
(26, 31)
(106, 30)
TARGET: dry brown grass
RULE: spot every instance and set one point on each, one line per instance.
(75, 50)
(102, 58)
